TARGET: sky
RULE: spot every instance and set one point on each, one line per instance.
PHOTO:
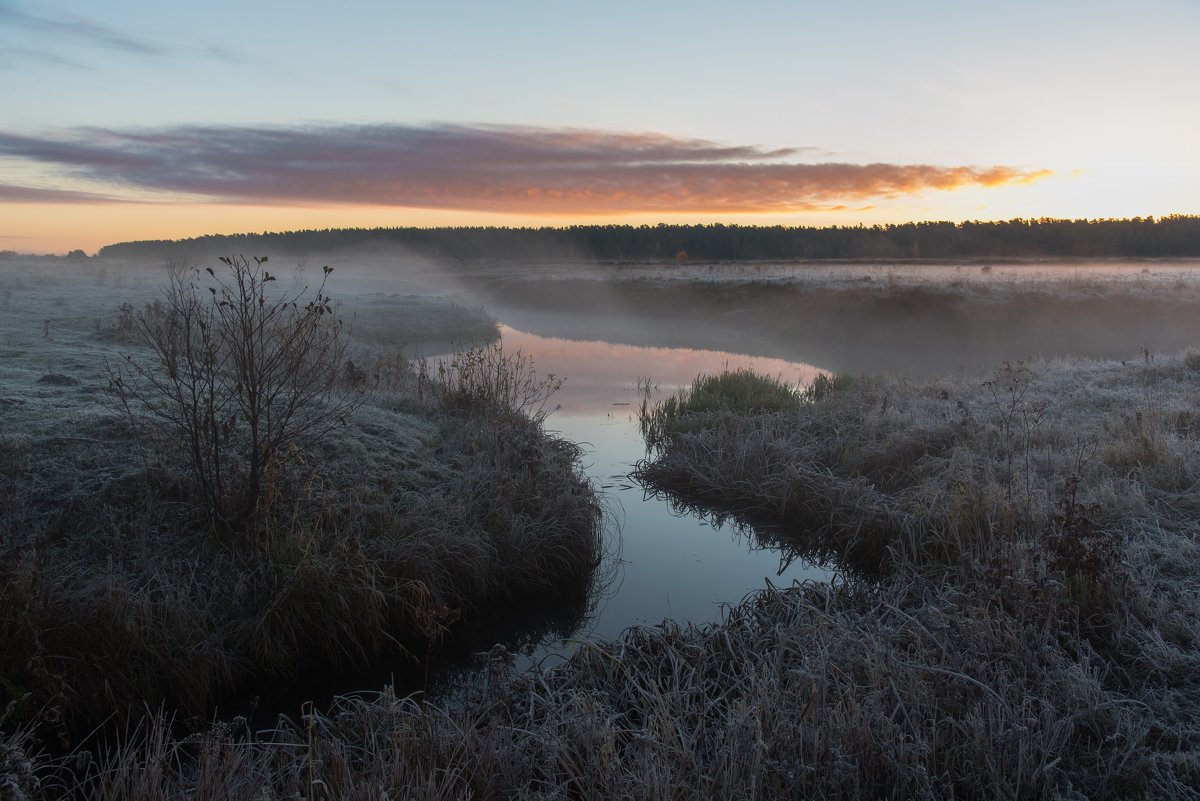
(131, 119)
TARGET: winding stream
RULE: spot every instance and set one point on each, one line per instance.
(664, 564)
(667, 565)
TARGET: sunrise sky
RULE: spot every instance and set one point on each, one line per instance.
(137, 120)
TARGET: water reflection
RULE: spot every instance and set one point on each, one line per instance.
(602, 377)
(785, 542)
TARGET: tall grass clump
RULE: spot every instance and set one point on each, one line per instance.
(486, 378)
(732, 392)
(20, 766)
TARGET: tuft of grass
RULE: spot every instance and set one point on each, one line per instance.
(20, 765)
(827, 383)
(737, 391)
(1191, 359)
(732, 392)
(485, 378)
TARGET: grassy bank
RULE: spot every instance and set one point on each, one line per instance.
(894, 690)
(1032, 536)
(113, 596)
(1016, 639)
(931, 472)
(435, 504)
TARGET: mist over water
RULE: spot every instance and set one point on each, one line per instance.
(921, 320)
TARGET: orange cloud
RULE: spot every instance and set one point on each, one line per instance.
(480, 168)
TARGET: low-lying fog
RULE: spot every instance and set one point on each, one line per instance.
(921, 320)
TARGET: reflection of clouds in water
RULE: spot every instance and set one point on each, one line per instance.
(601, 374)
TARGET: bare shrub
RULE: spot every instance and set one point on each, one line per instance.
(246, 379)
(1017, 417)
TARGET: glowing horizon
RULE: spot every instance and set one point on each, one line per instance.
(94, 227)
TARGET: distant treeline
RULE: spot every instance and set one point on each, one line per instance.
(1140, 237)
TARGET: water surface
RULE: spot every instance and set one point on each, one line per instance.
(663, 564)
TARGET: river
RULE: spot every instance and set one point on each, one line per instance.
(661, 563)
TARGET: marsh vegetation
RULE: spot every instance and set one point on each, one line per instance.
(1015, 611)
(1020, 635)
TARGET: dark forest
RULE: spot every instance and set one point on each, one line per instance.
(1175, 236)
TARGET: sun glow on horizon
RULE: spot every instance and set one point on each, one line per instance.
(27, 228)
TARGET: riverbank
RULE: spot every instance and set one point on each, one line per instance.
(437, 502)
(1028, 540)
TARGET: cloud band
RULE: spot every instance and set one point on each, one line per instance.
(482, 168)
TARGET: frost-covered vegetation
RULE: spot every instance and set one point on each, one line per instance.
(1021, 612)
(737, 392)
(129, 584)
(1024, 622)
